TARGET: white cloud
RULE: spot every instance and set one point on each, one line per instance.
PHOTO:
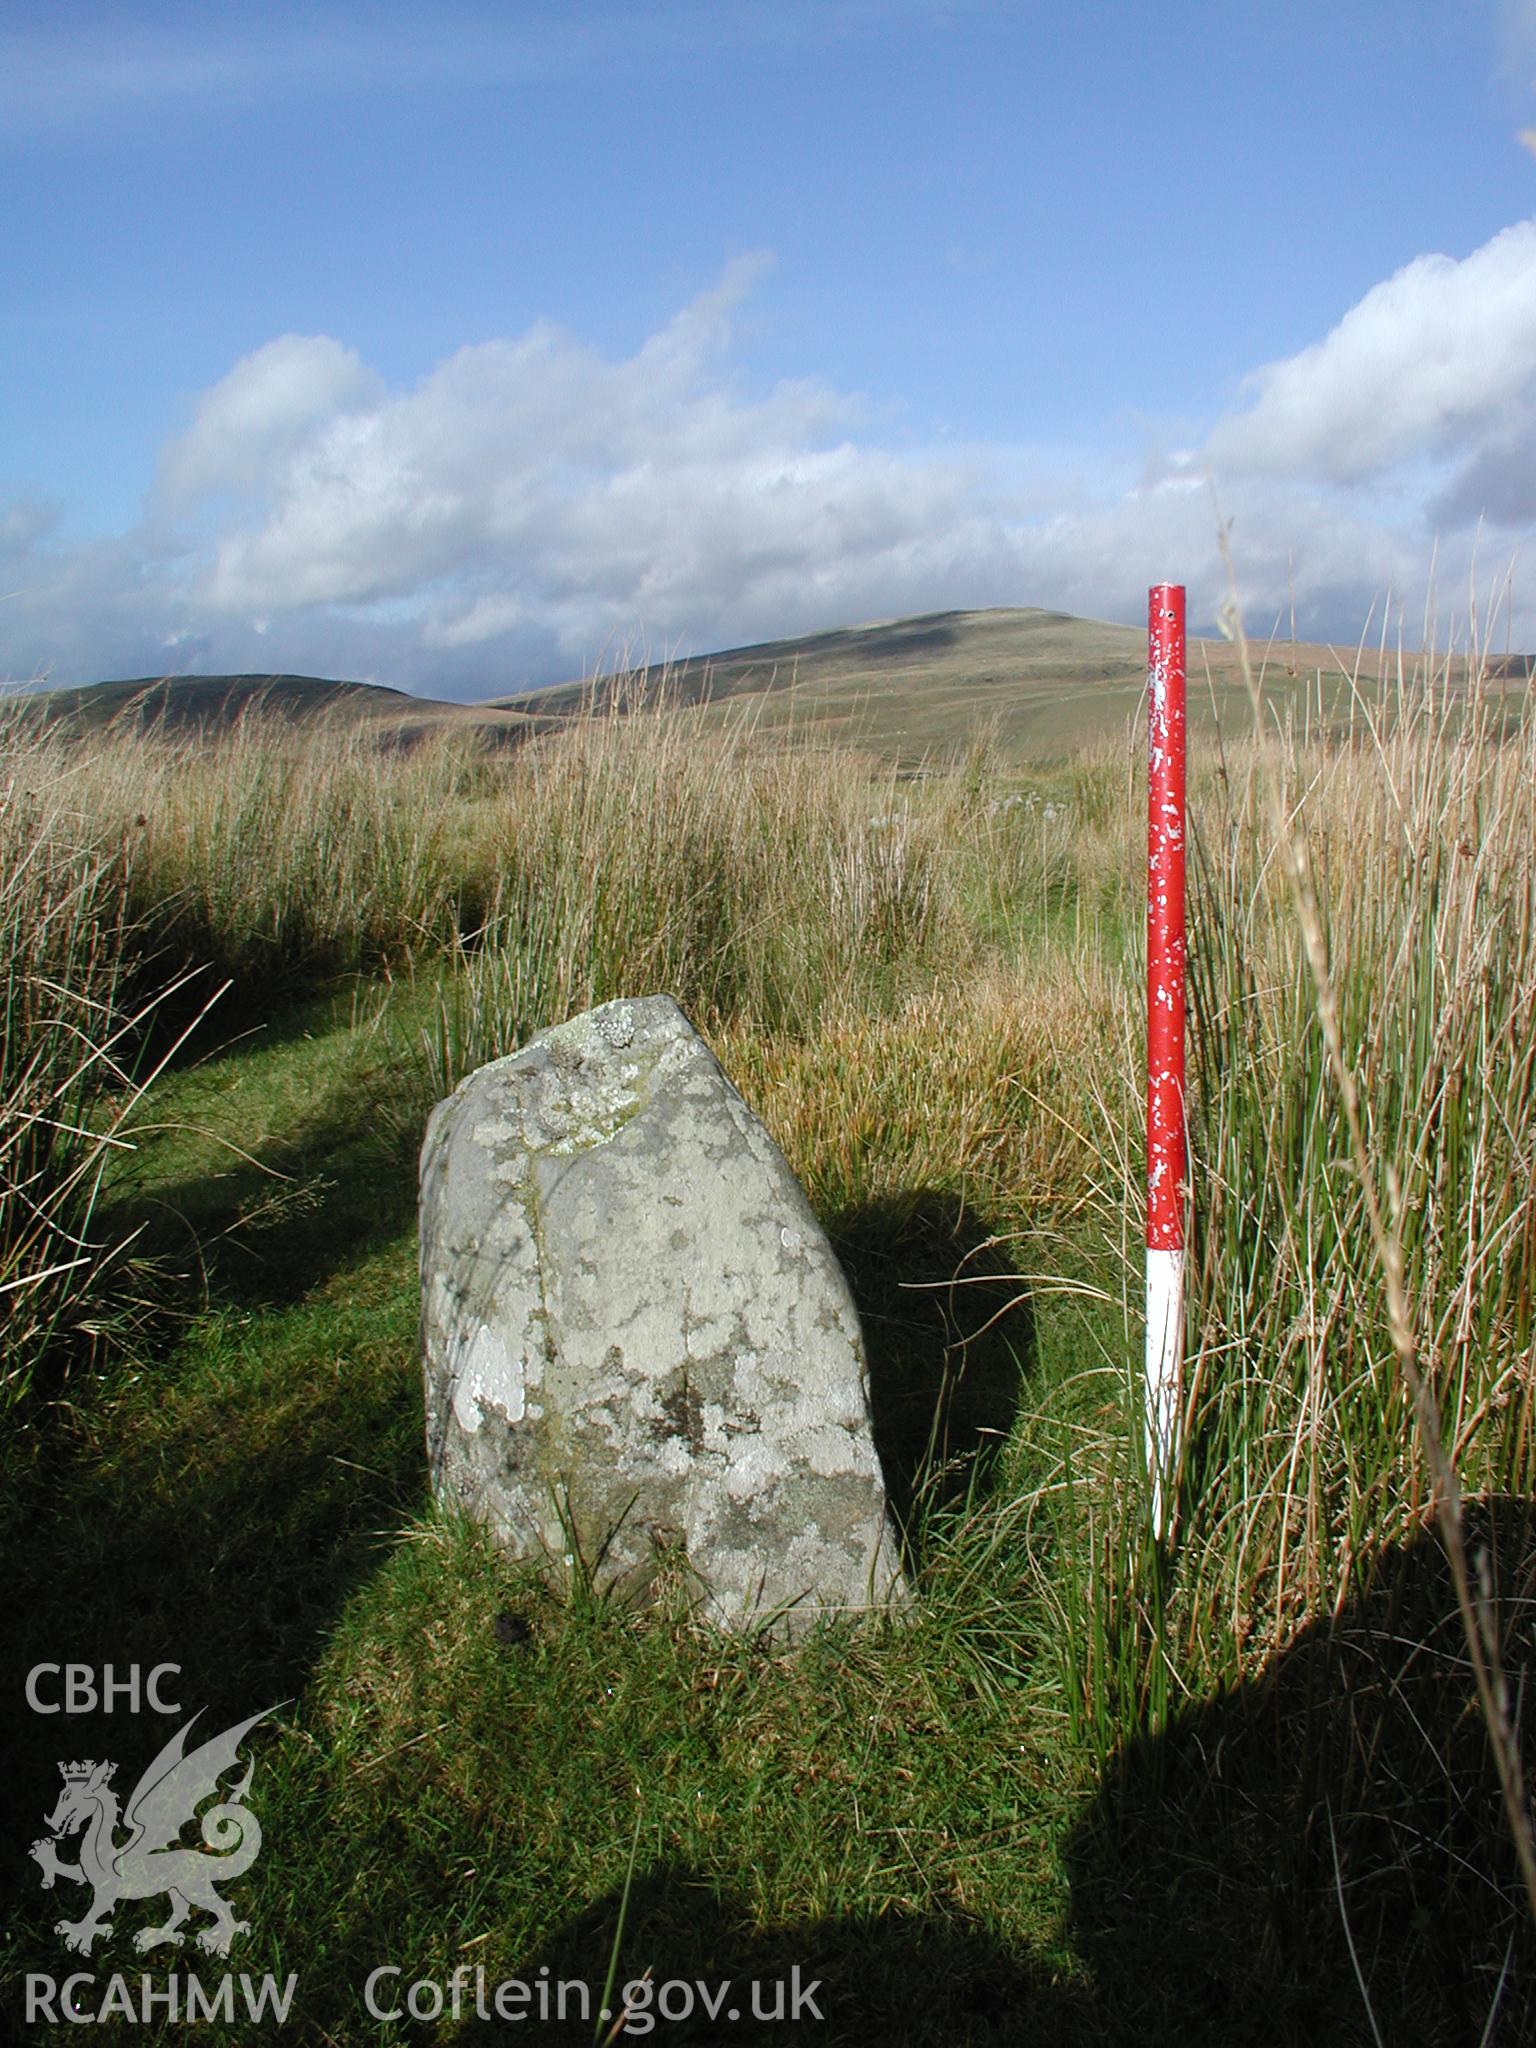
(534, 478)
(1497, 482)
(532, 504)
(1426, 363)
(260, 413)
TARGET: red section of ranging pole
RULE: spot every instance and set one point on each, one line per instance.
(1166, 1151)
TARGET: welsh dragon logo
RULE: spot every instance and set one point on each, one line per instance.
(152, 1859)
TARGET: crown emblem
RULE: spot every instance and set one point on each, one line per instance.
(81, 1774)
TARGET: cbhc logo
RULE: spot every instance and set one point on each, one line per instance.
(76, 1690)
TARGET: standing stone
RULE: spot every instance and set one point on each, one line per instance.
(639, 1349)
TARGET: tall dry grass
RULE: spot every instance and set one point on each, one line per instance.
(278, 854)
(1417, 845)
(751, 876)
(1354, 1554)
(771, 889)
(68, 1045)
(761, 885)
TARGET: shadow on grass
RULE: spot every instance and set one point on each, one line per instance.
(222, 1532)
(263, 1231)
(950, 1336)
(214, 1505)
(1328, 1836)
(1320, 1856)
(899, 1979)
(221, 1008)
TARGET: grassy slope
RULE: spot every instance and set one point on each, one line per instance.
(916, 688)
(188, 704)
(906, 689)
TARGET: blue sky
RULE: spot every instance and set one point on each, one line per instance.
(465, 347)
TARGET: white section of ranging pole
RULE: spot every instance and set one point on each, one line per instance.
(1165, 1352)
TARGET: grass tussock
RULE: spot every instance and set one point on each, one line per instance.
(1352, 1558)
(750, 883)
(277, 856)
(68, 1039)
(1419, 852)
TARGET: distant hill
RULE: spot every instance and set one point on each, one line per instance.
(915, 689)
(191, 704)
(911, 689)
(911, 686)
(181, 701)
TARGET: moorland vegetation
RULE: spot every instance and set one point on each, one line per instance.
(1260, 1783)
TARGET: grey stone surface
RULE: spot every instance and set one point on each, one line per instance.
(639, 1349)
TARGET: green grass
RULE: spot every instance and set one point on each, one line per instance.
(1236, 1791)
(275, 1449)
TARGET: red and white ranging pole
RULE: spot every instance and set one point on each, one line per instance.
(1167, 1149)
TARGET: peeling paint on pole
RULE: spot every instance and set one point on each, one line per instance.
(1167, 1148)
